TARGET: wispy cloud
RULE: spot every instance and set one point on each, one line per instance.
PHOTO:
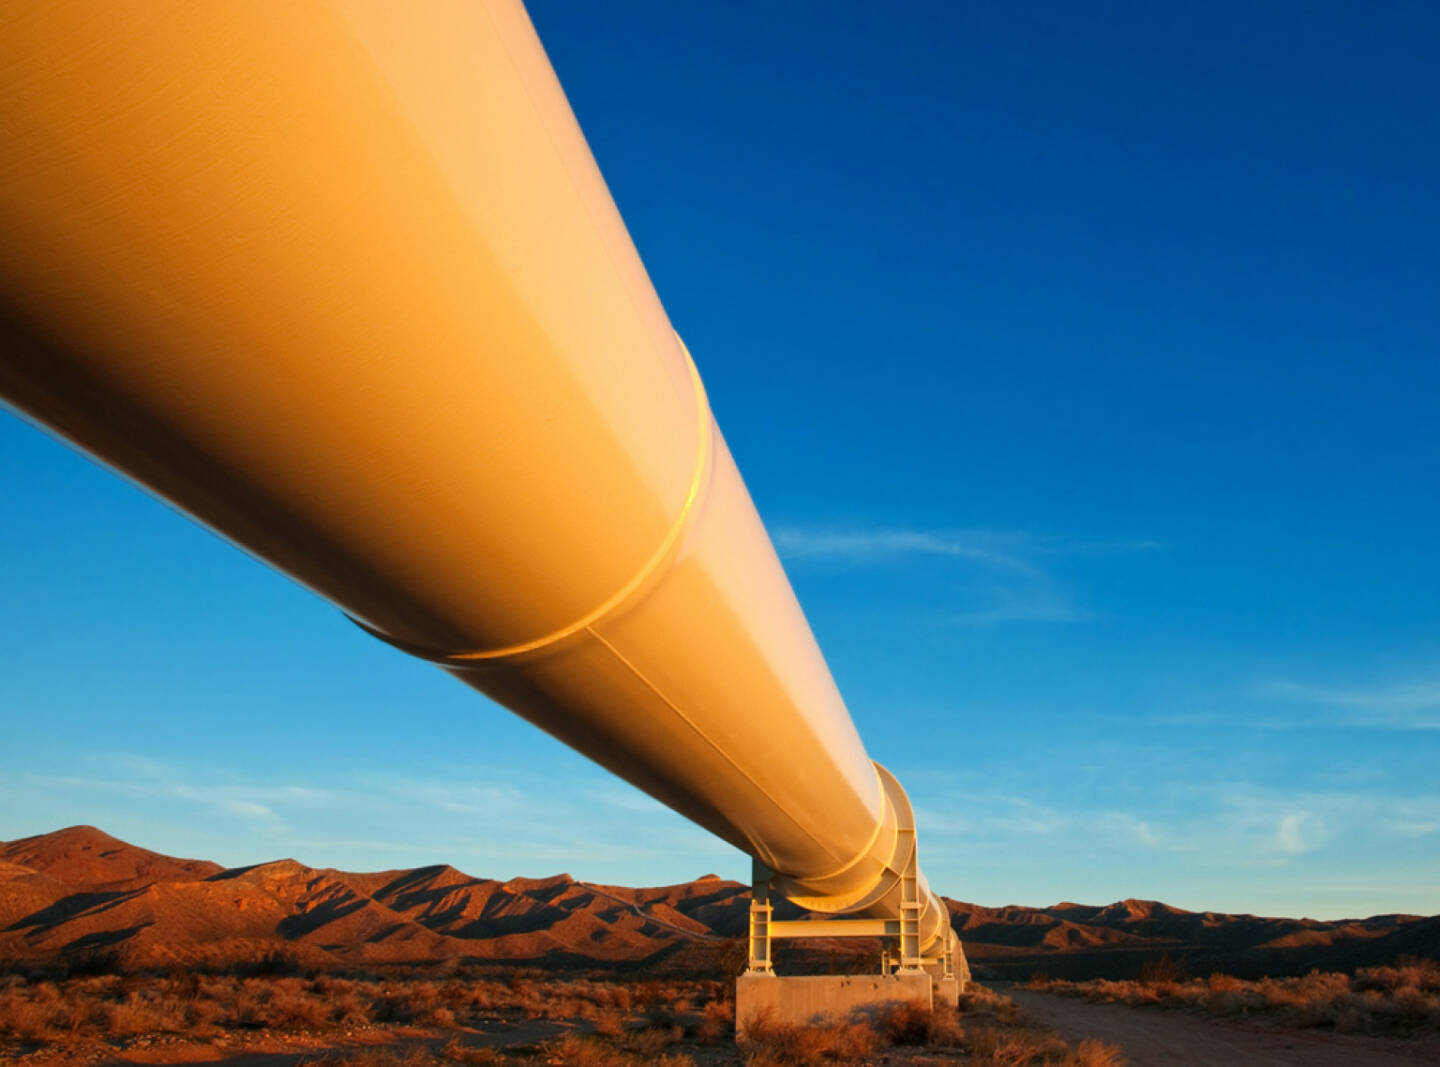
(1406, 706)
(1127, 827)
(1231, 823)
(997, 811)
(868, 546)
(1299, 832)
(1006, 576)
(252, 804)
(1012, 549)
(1006, 604)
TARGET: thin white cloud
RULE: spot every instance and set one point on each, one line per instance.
(1231, 824)
(241, 802)
(249, 809)
(1027, 604)
(1405, 706)
(1003, 584)
(1128, 828)
(928, 821)
(1299, 832)
(868, 546)
(999, 811)
(1011, 549)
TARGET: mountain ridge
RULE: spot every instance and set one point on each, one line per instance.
(76, 891)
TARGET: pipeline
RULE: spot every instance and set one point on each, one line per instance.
(344, 284)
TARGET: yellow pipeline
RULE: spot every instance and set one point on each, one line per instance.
(343, 282)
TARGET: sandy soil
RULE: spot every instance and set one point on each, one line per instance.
(1155, 1037)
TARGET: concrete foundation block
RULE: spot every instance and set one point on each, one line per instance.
(810, 999)
(948, 990)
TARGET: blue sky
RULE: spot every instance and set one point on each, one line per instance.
(1083, 364)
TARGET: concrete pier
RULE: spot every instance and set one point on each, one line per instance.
(803, 1000)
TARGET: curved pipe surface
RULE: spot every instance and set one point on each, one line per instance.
(345, 284)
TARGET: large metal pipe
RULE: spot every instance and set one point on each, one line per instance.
(343, 282)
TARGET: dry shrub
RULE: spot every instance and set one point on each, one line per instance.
(202, 1016)
(25, 1018)
(716, 1021)
(131, 1016)
(575, 1051)
(609, 1022)
(915, 1024)
(247, 1012)
(945, 1030)
(1224, 983)
(979, 1000)
(392, 1007)
(292, 1006)
(1419, 974)
(1237, 1002)
(183, 986)
(653, 1039)
(1164, 971)
(1091, 1053)
(1400, 999)
(907, 1024)
(1018, 1049)
(349, 1008)
(769, 1043)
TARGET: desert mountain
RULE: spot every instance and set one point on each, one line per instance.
(67, 895)
(1114, 941)
(85, 855)
(78, 890)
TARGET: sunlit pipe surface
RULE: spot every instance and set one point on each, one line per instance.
(343, 282)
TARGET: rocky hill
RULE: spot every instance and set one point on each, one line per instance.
(77, 893)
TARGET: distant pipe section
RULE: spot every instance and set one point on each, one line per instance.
(343, 282)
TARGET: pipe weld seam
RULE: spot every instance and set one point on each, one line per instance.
(669, 545)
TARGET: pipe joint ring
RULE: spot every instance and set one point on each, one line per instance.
(669, 546)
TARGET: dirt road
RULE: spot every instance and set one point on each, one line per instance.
(1156, 1037)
